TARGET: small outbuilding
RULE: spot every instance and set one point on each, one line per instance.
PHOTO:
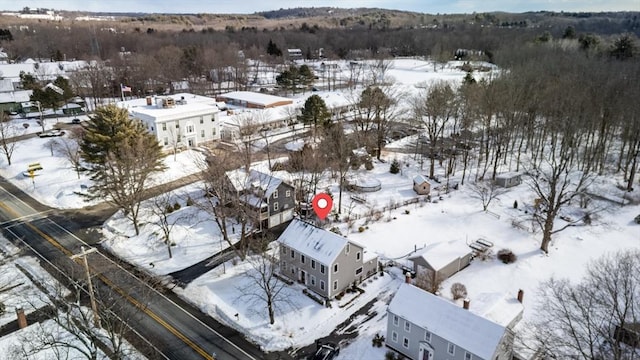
(422, 185)
(509, 179)
(442, 259)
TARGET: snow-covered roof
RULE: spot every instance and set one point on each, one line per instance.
(187, 105)
(241, 180)
(314, 242)
(44, 70)
(6, 85)
(508, 175)
(496, 307)
(255, 98)
(15, 96)
(441, 254)
(471, 332)
(419, 179)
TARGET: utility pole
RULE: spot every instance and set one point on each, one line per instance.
(94, 307)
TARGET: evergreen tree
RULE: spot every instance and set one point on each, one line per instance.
(273, 50)
(315, 112)
(569, 33)
(622, 48)
(28, 81)
(395, 167)
(120, 156)
(306, 76)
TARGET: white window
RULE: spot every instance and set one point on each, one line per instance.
(190, 128)
(467, 356)
(346, 249)
(284, 265)
(293, 254)
(164, 126)
(407, 326)
(335, 268)
(395, 320)
(284, 249)
(321, 285)
(394, 336)
(313, 264)
(201, 120)
(358, 255)
(166, 141)
(178, 140)
(275, 194)
(359, 270)
(313, 280)
(302, 258)
(177, 125)
(201, 133)
(335, 285)
(451, 349)
(321, 269)
(287, 193)
(427, 336)
(213, 132)
(275, 206)
(405, 342)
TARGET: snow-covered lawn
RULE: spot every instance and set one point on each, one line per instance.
(57, 184)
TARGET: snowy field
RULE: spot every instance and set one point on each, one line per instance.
(456, 216)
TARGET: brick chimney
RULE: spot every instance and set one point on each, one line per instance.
(465, 304)
(520, 295)
(407, 277)
(22, 319)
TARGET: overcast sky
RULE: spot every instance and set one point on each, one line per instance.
(251, 6)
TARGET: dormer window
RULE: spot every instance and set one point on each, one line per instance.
(275, 194)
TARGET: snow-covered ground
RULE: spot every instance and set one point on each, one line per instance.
(456, 216)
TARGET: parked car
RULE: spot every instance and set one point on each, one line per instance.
(51, 133)
(75, 121)
(326, 351)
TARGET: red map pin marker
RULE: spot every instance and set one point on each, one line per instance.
(322, 204)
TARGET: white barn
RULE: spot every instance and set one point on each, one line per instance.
(178, 121)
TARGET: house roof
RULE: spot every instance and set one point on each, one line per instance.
(441, 254)
(241, 180)
(193, 105)
(496, 307)
(255, 98)
(314, 242)
(471, 332)
(508, 175)
(419, 179)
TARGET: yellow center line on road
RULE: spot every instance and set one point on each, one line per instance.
(119, 290)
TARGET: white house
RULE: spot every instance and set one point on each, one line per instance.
(180, 120)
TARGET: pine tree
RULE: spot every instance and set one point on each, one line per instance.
(315, 112)
(273, 50)
(395, 166)
(120, 156)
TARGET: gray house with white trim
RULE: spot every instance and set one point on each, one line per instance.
(325, 262)
(423, 326)
(270, 200)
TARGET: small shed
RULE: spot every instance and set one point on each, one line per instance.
(442, 259)
(421, 185)
(509, 179)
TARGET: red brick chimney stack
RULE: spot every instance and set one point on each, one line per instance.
(465, 304)
(520, 295)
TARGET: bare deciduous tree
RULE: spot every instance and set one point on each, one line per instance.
(7, 135)
(486, 191)
(594, 318)
(69, 148)
(162, 207)
(264, 287)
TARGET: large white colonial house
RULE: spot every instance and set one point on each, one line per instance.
(178, 121)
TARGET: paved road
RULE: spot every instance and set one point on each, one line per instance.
(176, 332)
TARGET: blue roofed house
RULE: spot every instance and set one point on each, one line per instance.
(423, 326)
(325, 262)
